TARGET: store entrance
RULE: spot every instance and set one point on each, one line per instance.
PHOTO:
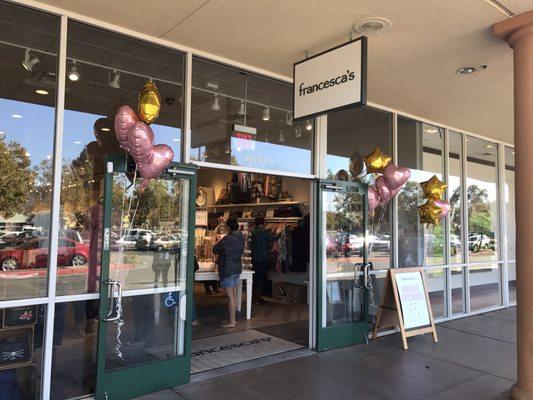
(272, 291)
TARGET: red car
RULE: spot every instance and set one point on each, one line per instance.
(34, 254)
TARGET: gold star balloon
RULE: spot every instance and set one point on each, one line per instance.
(149, 102)
(434, 188)
(429, 213)
(376, 161)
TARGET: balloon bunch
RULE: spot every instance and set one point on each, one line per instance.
(384, 179)
(135, 135)
(434, 209)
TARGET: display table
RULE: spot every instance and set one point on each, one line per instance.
(246, 275)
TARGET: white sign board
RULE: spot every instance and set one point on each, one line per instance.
(413, 299)
(201, 217)
(332, 80)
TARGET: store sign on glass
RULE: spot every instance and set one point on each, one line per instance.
(332, 80)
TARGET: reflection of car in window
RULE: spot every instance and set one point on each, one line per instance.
(478, 242)
(34, 254)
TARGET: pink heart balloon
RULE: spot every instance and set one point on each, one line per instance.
(396, 176)
(373, 198)
(125, 118)
(384, 191)
(140, 142)
(160, 157)
(444, 207)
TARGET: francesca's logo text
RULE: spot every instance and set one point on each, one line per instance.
(339, 80)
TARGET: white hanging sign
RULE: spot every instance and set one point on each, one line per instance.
(332, 80)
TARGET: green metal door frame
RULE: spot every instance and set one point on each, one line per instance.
(138, 380)
(348, 334)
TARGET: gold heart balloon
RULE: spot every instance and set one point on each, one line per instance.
(149, 102)
(376, 161)
(429, 213)
(434, 188)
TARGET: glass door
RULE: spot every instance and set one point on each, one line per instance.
(343, 273)
(145, 282)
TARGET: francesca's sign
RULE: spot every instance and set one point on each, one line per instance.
(332, 80)
(413, 299)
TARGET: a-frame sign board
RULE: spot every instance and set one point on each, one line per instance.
(405, 304)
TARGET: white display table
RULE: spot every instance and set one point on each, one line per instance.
(246, 275)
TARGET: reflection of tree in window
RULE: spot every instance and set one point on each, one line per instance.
(479, 218)
(348, 215)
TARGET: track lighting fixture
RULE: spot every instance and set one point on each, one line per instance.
(288, 118)
(242, 108)
(215, 103)
(114, 79)
(308, 125)
(74, 72)
(297, 132)
(30, 61)
(266, 114)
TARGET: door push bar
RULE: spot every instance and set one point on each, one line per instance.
(115, 305)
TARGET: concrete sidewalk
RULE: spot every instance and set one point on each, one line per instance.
(474, 359)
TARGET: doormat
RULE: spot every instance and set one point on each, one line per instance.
(220, 351)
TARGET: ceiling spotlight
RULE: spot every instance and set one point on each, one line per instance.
(288, 118)
(227, 148)
(74, 72)
(42, 92)
(266, 114)
(281, 138)
(114, 79)
(297, 132)
(308, 125)
(466, 70)
(215, 103)
(30, 61)
(242, 108)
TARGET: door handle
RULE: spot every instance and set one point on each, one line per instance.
(356, 270)
(115, 305)
(366, 276)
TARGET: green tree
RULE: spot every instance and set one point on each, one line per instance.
(16, 178)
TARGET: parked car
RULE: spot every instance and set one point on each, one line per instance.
(164, 242)
(478, 242)
(34, 254)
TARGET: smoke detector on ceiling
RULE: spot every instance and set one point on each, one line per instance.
(371, 25)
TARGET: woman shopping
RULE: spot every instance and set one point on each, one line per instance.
(229, 253)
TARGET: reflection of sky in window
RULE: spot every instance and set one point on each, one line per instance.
(34, 131)
(78, 133)
(270, 156)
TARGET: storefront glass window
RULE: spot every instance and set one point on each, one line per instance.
(28, 45)
(104, 71)
(419, 149)
(246, 120)
(485, 288)
(455, 192)
(482, 199)
(353, 134)
(509, 195)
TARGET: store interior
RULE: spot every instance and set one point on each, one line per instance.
(279, 320)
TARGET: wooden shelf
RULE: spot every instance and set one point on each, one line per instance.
(273, 204)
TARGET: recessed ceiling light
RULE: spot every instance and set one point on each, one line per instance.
(466, 70)
(77, 142)
(17, 116)
(430, 130)
(105, 129)
(41, 92)
(372, 25)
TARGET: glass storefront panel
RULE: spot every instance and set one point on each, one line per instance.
(511, 271)
(436, 281)
(485, 286)
(482, 199)
(74, 355)
(245, 120)
(420, 148)
(105, 71)
(28, 44)
(455, 191)
(352, 134)
(457, 290)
